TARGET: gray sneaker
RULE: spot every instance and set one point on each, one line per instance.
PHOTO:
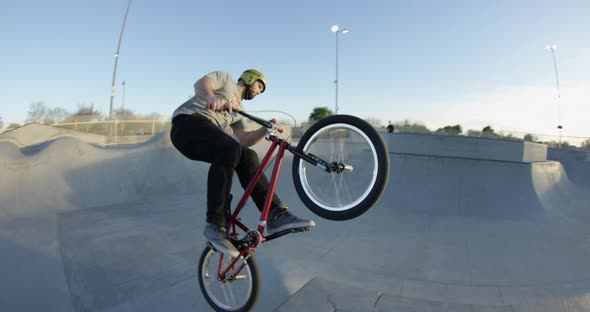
(280, 219)
(217, 238)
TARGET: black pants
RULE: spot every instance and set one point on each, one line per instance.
(197, 138)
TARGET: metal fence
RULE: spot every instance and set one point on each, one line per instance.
(137, 131)
(551, 140)
(119, 131)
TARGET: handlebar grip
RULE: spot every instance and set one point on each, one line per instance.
(273, 123)
(262, 122)
(257, 120)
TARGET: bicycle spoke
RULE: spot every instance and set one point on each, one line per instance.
(338, 143)
(225, 295)
(235, 292)
(343, 141)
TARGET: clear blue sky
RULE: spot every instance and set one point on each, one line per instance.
(473, 63)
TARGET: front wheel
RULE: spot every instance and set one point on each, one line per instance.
(355, 145)
(238, 291)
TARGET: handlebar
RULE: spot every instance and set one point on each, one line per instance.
(270, 125)
(265, 123)
(336, 167)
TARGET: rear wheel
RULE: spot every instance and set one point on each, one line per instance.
(241, 288)
(359, 149)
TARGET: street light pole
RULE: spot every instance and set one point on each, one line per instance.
(117, 60)
(337, 30)
(552, 48)
(123, 108)
(123, 113)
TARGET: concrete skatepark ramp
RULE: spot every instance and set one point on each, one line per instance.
(35, 133)
(90, 228)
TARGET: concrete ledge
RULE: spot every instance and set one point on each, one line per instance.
(35, 133)
(575, 163)
(464, 147)
(324, 295)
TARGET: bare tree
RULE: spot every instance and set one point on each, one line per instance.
(411, 127)
(125, 114)
(86, 112)
(375, 122)
(1, 123)
(88, 115)
(55, 115)
(37, 112)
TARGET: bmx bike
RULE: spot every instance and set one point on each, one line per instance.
(340, 170)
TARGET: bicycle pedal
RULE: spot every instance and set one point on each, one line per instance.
(212, 247)
(240, 277)
(300, 230)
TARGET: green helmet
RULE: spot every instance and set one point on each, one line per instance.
(250, 76)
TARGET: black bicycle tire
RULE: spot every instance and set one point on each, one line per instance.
(256, 283)
(382, 173)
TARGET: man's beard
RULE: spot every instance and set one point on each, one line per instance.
(249, 94)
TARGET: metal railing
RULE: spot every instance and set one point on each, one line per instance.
(551, 140)
(137, 131)
(119, 131)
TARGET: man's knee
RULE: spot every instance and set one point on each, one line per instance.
(249, 158)
(229, 155)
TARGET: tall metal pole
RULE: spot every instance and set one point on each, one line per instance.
(337, 30)
(123, 85)
(123, 130)
(113, 90)
(336, 81)
(559, 126)
(556, 72)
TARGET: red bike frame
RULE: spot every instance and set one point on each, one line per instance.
(234, 222)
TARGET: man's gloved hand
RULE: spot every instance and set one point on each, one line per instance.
(218, 104)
